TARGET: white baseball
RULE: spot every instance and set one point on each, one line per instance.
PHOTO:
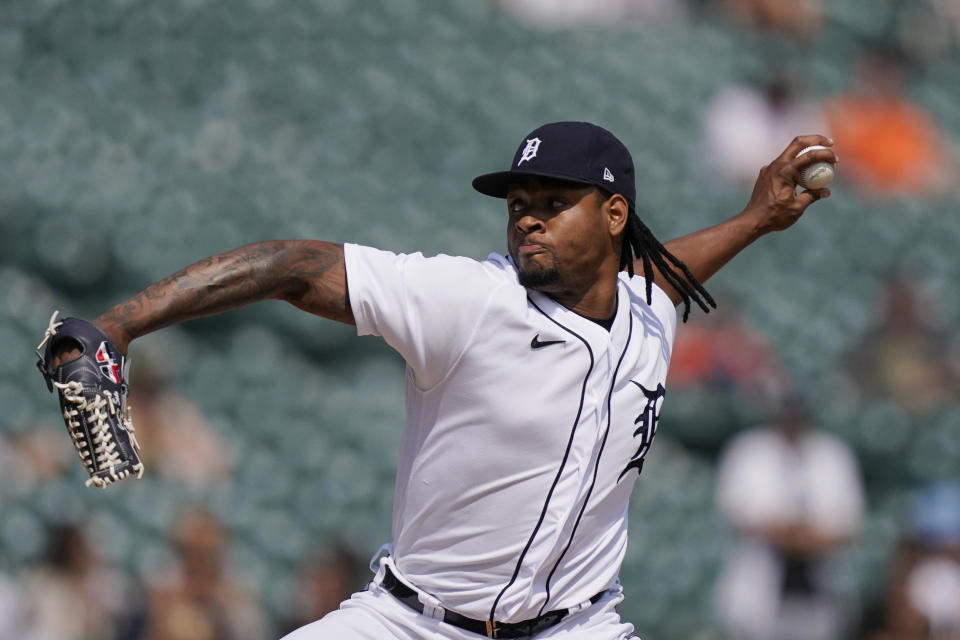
(819, 174)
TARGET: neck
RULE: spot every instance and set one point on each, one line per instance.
(598, 301)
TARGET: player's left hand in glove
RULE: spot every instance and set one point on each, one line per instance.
(93, 398)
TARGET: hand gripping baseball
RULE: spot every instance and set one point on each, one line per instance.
(775, 199)
(92, 388)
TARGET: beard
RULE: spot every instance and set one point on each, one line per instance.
(537, 273)
(538, 278)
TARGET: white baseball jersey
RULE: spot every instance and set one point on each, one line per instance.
(526, 428)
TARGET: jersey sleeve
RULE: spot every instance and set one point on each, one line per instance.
(426, 308)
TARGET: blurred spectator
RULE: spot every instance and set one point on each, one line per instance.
(922, 599)
(73, 595)
(745, 126)
(928, 29)
(888, 145)
(332, 577)
(198, 599)
(933, 585)
(34, 453)
(176, 440)
(798, 19)
(11, 610)
(571, 13)
(720, 352)
(906, 357)
(793, 495)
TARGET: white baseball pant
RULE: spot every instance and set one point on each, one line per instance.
(376, 615)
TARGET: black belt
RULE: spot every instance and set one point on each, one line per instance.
(487, 628)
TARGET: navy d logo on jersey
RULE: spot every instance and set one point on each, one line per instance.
(529, 151)
(646, 426)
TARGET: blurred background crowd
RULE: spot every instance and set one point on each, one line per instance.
(806, 480)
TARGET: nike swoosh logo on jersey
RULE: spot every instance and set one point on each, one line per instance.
(537, 344)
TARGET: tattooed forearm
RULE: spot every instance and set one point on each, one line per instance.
(307, 273)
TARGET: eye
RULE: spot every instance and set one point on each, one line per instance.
(557, 203)
(516, 205)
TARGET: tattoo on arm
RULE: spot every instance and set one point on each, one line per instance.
(318, 276)
(309, 274)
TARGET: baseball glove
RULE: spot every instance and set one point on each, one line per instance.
(93, 398)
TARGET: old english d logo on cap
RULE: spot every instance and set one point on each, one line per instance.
(530, 151)
(574, 151)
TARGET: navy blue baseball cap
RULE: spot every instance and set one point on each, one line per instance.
(575, 151)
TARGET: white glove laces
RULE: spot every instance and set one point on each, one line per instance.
(104, 450)
(52, 327)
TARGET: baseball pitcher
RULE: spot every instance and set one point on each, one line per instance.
(534, 383)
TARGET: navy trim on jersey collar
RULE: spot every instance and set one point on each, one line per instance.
(596, 465)
(591, 335)
(563, 462)
(600, 339)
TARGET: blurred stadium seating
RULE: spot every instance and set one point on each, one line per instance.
(138, 137)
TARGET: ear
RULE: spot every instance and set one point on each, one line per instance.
(617, 210)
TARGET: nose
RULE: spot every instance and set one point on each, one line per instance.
(528, 224)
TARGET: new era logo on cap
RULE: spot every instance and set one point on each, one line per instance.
(575, 151)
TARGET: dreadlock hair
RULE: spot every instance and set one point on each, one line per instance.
(639, 242)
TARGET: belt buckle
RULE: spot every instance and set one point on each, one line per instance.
(492, 628)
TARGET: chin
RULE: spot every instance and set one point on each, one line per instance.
(538, 278)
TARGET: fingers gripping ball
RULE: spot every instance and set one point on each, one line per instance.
(819, 174)
(92, 389)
